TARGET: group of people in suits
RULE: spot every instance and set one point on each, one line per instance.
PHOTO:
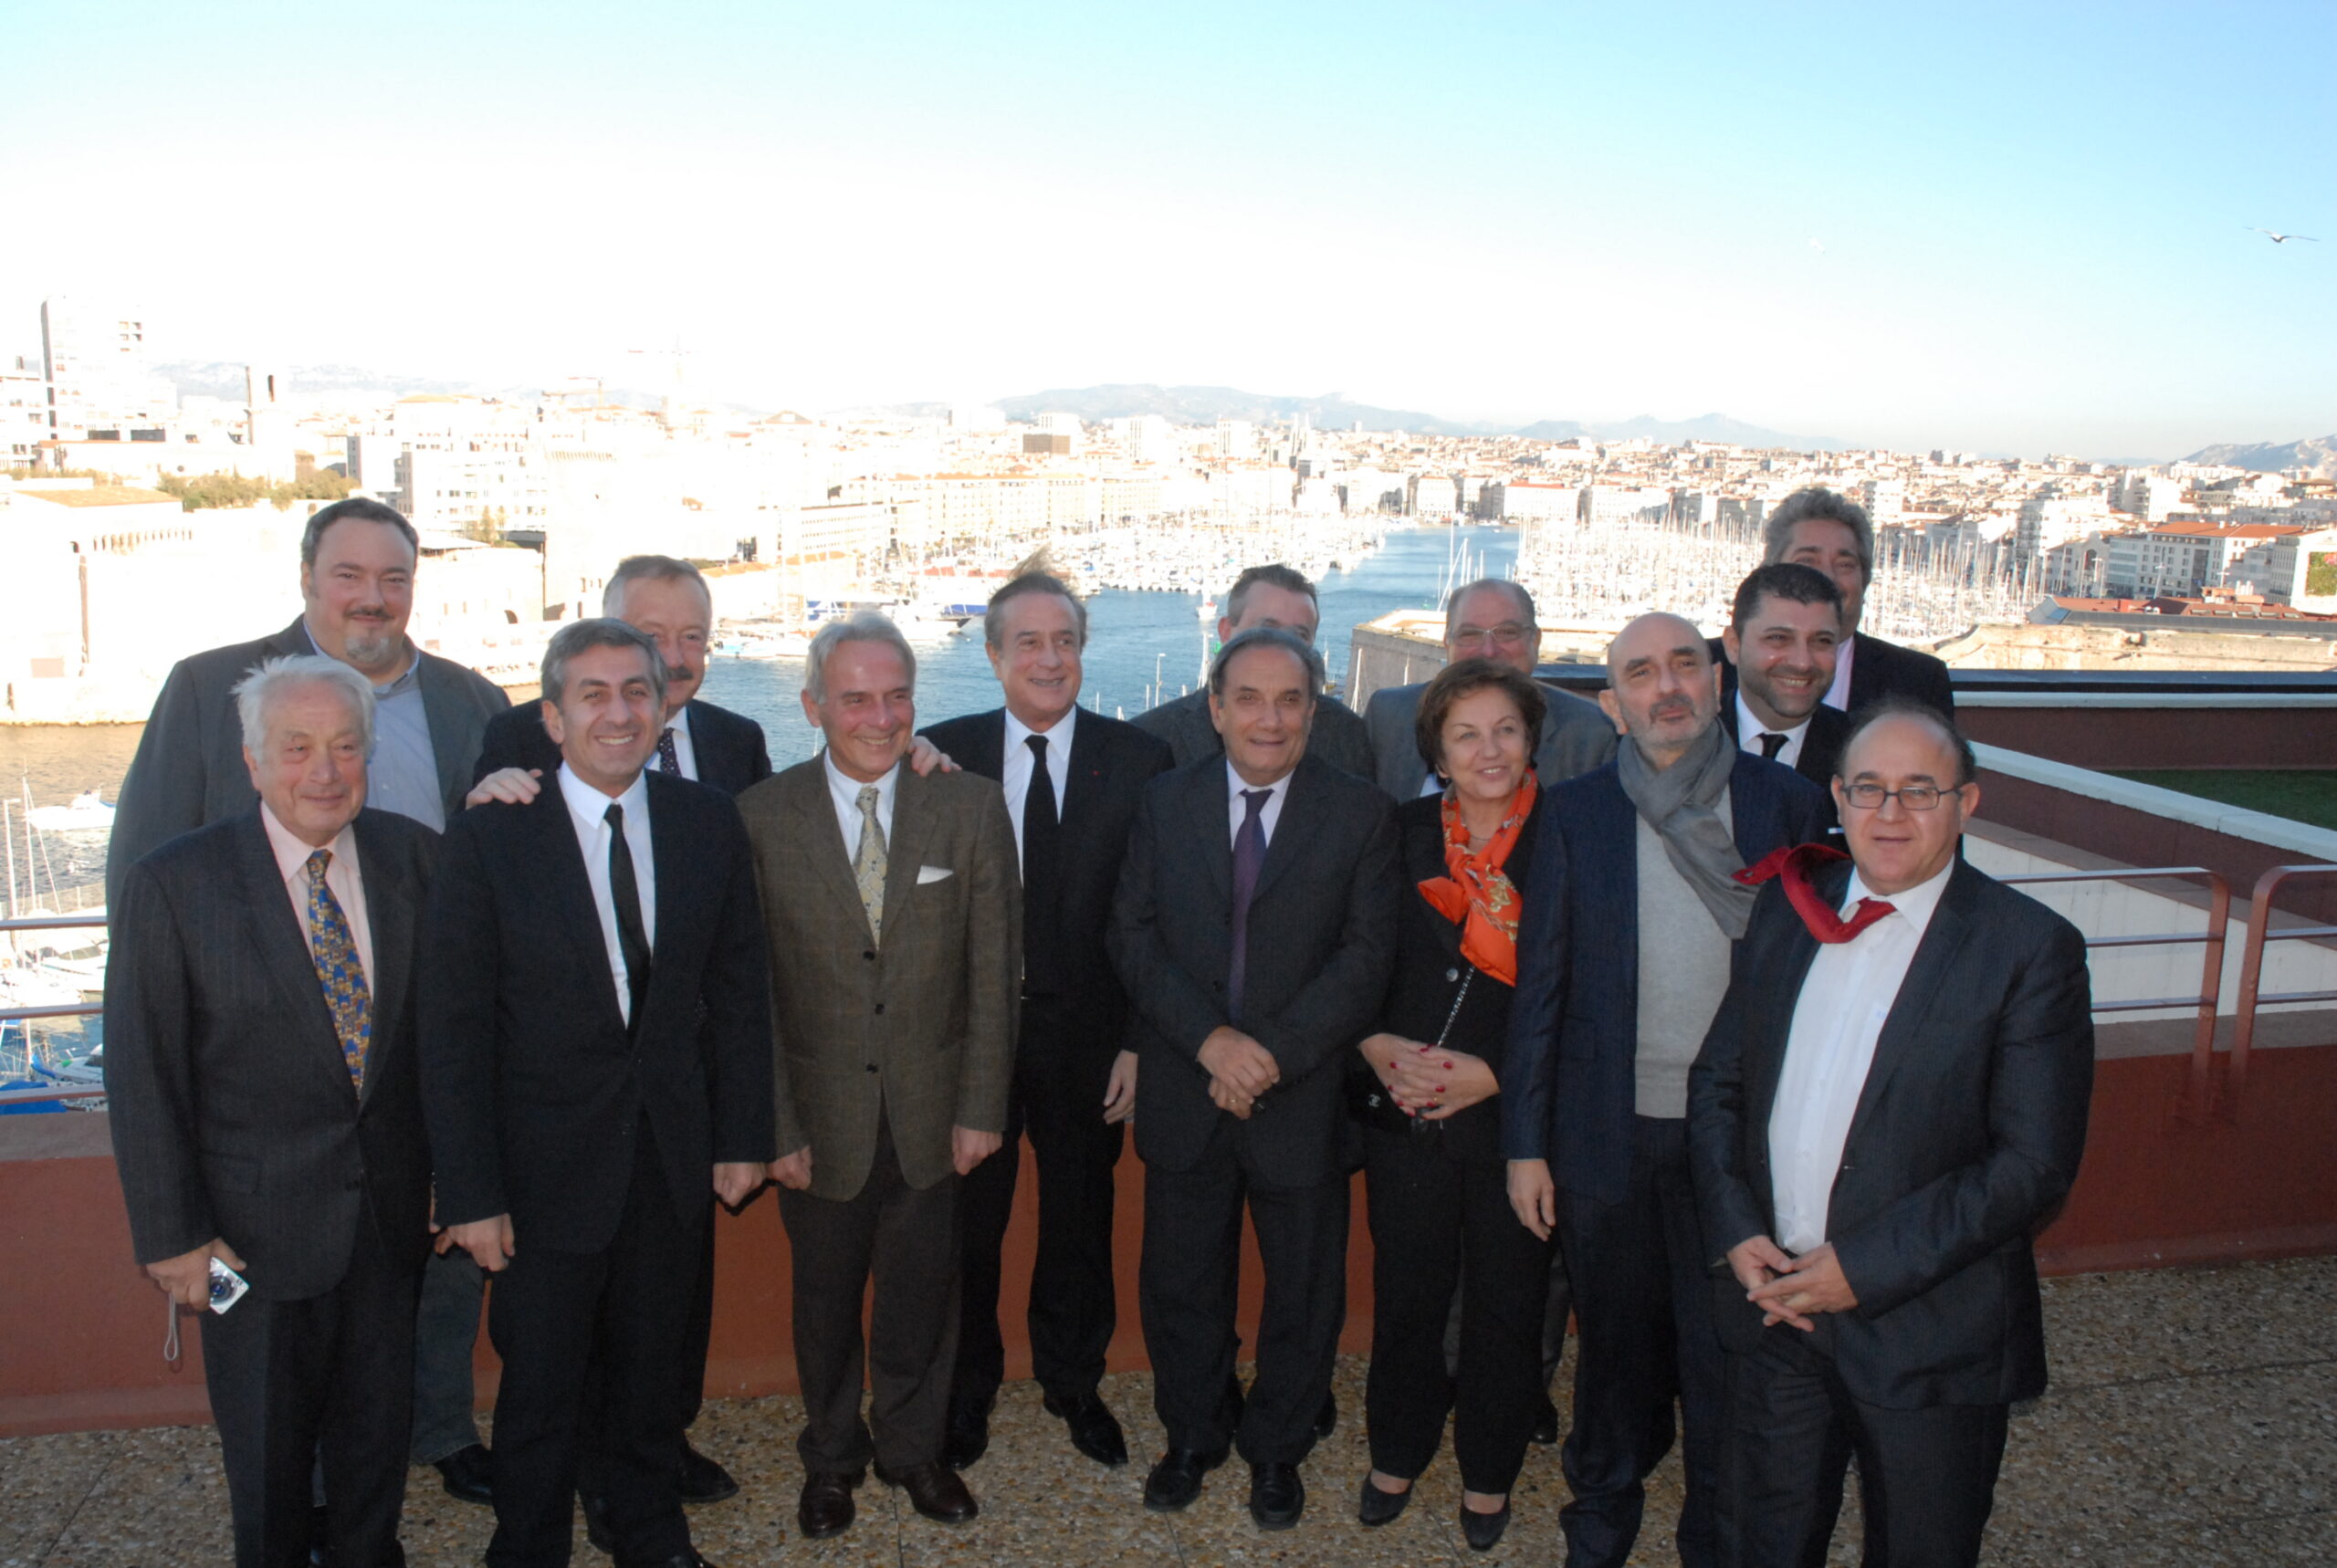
(1614, 1028)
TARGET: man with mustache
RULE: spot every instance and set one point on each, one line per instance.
(1632, 916)
(430, 715)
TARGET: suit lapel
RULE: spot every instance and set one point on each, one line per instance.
(905, 849)
(389, 916)
(556, 849)
(1935, 958)
(821, 838)
(438, 704)
(987, 755)
(1084, 780)
(1773, 1025)
(1297, 803)
(283, 948)
(1205, 826)
(709, 739)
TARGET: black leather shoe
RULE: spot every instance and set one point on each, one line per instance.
(934, 1491)
(825, 1507)
(596, 1522)
(1546, 1424)
(469, 1474)
(1376, 1507)
(1277, 1497)
(966, 1439)
(703, 1480)
(1176, 1480)
(1094, 1430)
(1484, 1529)
(1327, 1420)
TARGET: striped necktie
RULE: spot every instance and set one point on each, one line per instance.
(335, 951)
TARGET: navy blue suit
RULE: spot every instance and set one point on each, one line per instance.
(1625, 1203)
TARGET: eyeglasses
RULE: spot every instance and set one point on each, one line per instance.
(1915, 797)
(1508, 635)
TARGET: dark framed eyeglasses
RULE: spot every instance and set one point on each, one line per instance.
(1914, 797)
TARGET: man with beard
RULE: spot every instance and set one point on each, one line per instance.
(1781, 641)
(357, 564)
(1632, 912)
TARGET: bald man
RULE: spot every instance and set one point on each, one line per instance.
(1631, 918)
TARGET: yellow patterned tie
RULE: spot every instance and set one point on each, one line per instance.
(335, 951)
(868, 863)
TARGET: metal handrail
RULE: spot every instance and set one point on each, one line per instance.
(61, 1092)
(2209, 997)
(53, 921)
(78, 1009)
(2251, 961)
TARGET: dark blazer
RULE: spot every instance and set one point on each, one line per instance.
(1338, 736)
(729, 747)
(1573, 1025)
(1577, 736)
(1821, 746)
(1966, 1138)
(1322, 939)
(1430, 970)
(532, 1082)
(918, 1028)
(232, 1112)
(189, 768)
(1880, 669)
(1111, 762)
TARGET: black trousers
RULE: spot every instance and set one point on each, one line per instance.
(905, 1240)
(551, 1314)
(1642, 1308)
(1188, 1288)
(690, 1366)
(326, 1379)
(1058, 1097)
(1438, 1225)
(1927, 1477)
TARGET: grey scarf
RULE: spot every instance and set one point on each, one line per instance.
(1679, 803)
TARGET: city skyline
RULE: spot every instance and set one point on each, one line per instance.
(2009, 231)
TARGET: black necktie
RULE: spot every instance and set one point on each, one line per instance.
(1041, 865)
(1249, 855)
(625, 892)
(1771, 744)
(669, 759)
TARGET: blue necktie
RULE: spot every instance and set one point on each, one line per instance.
(1249, 854)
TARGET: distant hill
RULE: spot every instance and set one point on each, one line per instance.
(1207, 405)
(2316, 453)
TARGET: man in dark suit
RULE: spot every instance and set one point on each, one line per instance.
(260, 1071)
(1072, 781)
(1625, 943)
(357, 566)
(1492, 618)
(1831, 533)
(1891, 1103)
(896, 942)
(668, 601)
(1264, 596)
(1254, 930)
(596, 1055)
(1783, 635)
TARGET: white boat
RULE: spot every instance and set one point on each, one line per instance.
(87, 813)
(22, 985)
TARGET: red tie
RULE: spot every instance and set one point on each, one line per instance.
(1793, 863)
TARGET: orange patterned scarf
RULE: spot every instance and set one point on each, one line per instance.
(1475, 892)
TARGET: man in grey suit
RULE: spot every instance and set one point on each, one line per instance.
(1264, 596)
(1492, 618)
(261, 1074)
(894, 912)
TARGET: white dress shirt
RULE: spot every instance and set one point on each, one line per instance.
(1014, 776)
(843, 791)
(684, 751)
(1838, 694)
(587, 809)
(1238, 809)
(1750, 729)
(344, 878)
(1844, 997)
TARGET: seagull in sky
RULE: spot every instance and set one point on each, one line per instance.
(2278, 238)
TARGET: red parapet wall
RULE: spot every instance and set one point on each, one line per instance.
(2253, 1174)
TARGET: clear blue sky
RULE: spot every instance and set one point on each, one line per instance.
(2033, 218)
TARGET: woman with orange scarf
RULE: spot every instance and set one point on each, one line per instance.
(1439, 1200)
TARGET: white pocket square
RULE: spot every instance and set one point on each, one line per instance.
(926, 873)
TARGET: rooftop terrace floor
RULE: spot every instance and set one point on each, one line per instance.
(2193, 1419)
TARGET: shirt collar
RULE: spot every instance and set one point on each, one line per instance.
(292, 852)
(1916, 903)
(1235, 784)
(680, 723)
(1749, 723)
(591, 807)
(403, 683)
(1018, 734)
(845, 788)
